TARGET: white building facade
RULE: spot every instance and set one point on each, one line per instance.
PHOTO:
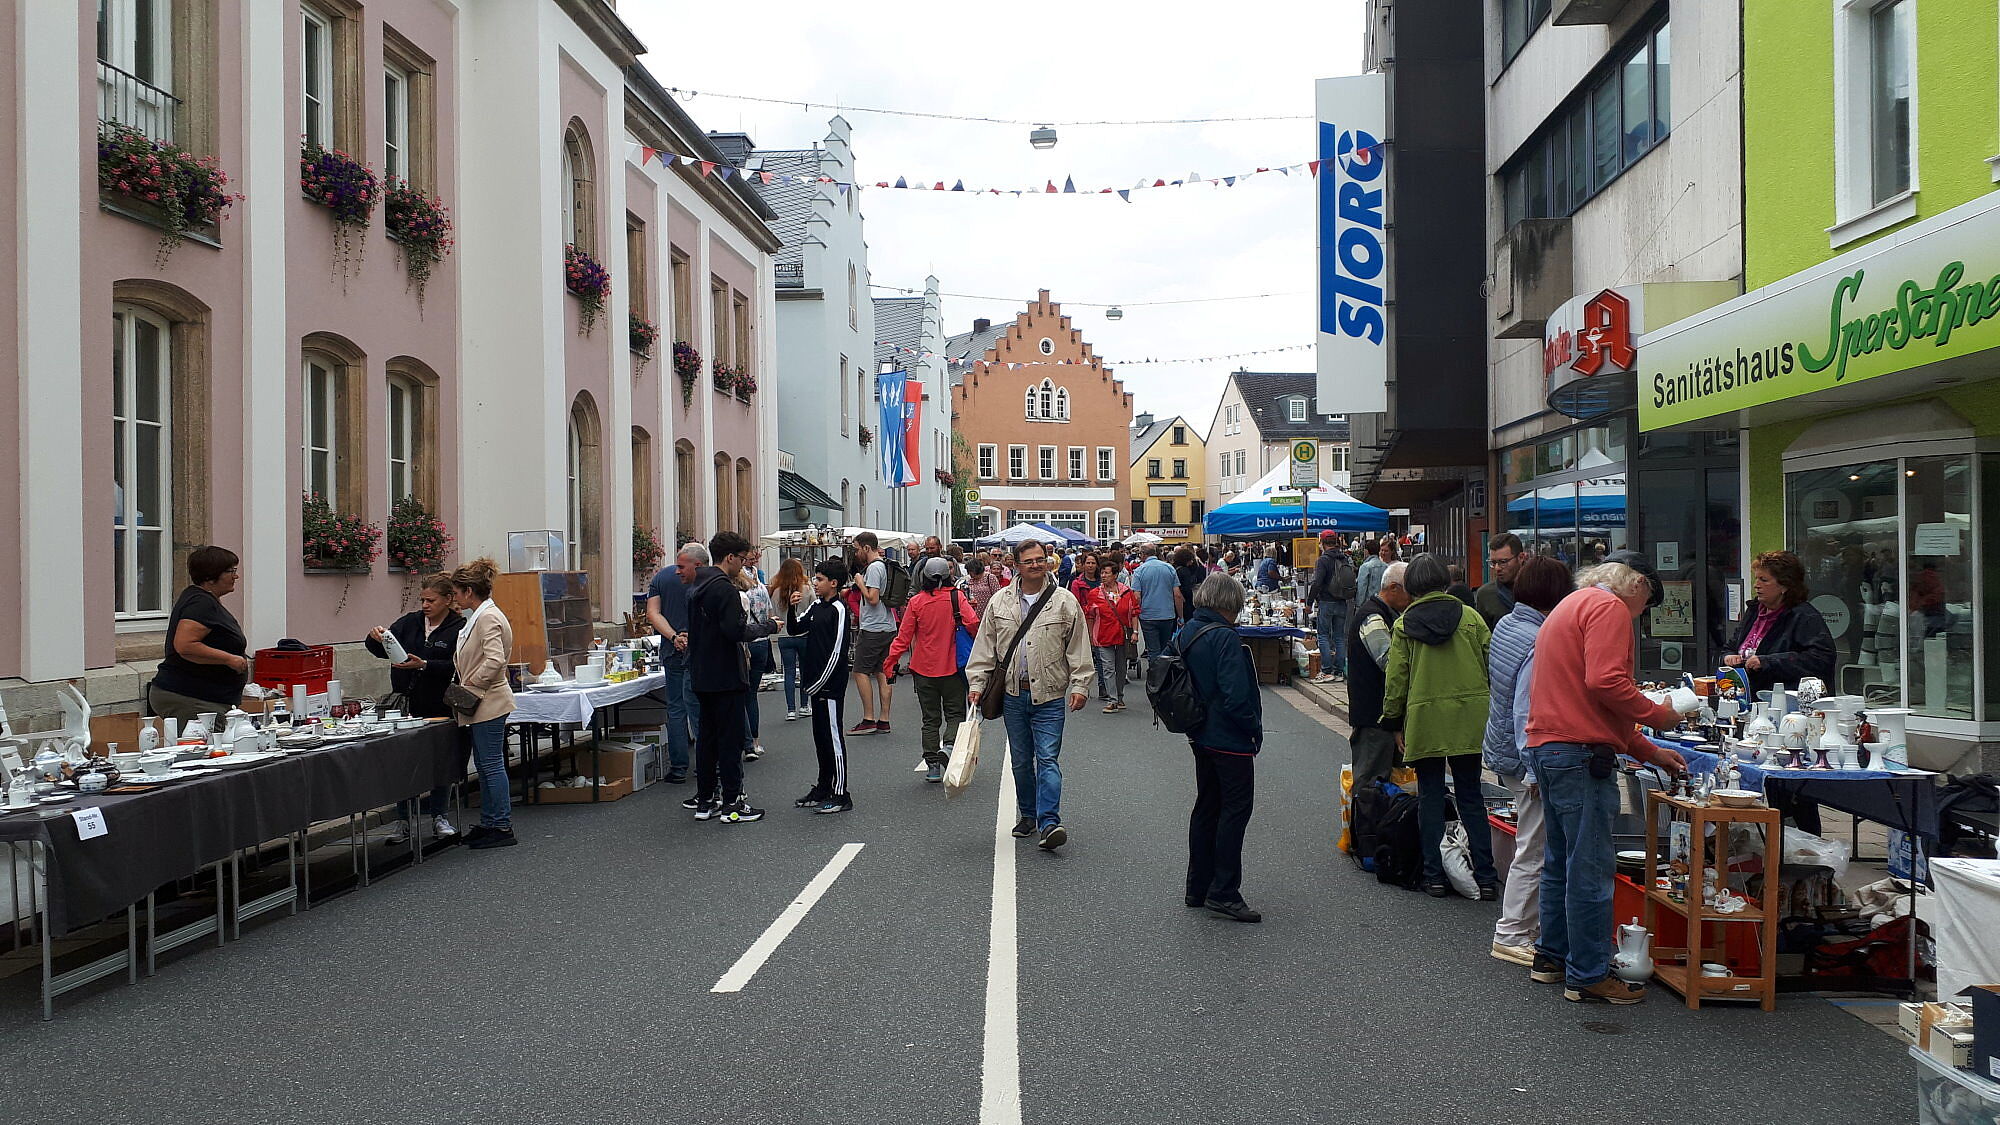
(1259, 416)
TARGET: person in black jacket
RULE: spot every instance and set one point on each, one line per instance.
(429, 636)
(823, 671)
(1330, 593)
(1368, 638)
(1782, 639)
(1225, 747)
(718, 665)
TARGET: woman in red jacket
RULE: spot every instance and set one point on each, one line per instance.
(1113, 612)
(929, 633)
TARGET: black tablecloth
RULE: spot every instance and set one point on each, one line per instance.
(172, 831)
(1905, 801)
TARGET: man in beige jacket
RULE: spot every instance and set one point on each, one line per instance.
(1047, 674)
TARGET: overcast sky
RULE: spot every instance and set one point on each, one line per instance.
(1081, 61)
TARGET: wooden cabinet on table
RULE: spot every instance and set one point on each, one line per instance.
(550, 612)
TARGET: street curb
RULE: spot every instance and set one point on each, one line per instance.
(1332, 702)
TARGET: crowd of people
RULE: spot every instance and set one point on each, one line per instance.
(1530, 677)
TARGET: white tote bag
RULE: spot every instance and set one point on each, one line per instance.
(964, 756)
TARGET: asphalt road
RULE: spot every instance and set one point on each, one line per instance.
(568, 979)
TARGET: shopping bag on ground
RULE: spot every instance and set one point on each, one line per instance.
(1456, 852)
(964, 757)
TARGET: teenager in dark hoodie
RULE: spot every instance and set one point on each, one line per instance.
(823, 669)
(718, 626)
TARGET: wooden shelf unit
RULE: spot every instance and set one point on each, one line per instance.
(550, 612)
(1680, 969)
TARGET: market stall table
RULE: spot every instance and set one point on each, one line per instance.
(177, 829)
(1270, 648)
(1904, 799)
(550, 711)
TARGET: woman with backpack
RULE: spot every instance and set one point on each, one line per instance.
(1435, 699)
(1225, 745)
(937, 627)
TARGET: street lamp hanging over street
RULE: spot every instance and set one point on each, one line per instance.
(1043, 136)
(1114, 313)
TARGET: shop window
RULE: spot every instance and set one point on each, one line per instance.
(1941, 621)
(1842, 522)
(142, 458)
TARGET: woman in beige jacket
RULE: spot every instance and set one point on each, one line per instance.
(484, 644)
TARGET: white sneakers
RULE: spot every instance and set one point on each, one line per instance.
(443, 828)
(399, 832)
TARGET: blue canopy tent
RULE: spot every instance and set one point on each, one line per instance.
(1070, 536)
(1252, 515)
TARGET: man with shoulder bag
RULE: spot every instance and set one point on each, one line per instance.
(1032, 655)
(1331, 592)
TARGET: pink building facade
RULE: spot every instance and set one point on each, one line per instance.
(163, 397)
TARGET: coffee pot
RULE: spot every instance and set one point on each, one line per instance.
(239, 728)
(1633, 960)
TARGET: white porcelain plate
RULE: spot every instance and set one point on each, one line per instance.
(227, 762)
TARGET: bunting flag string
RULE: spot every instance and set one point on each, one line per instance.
(925, 354)
(710, 168)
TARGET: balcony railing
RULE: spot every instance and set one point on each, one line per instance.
(132, 101)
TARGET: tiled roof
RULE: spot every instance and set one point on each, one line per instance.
(962, 351)
(1265, 392)
(793, 203)
(1142, 440)
(899, 322)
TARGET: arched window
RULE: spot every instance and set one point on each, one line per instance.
(846, 510)
(1048, 399)
(1107, 524)
(335, 422)
(685, 482)
(579, 189)
(1062, 405)
(746, 497)
(724, 477)
(142, 458)
(158, 460)
(413, 438)
(1031, 404)
(861, 505)
(643, 513)
(586, 495)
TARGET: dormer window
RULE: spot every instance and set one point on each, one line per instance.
(1297, 408)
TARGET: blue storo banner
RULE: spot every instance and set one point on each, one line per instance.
(1352, 345)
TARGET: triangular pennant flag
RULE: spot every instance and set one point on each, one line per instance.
(1051, 189)
(1229, 181)
(1194, 177)
(921, 186)
(901, 182)
(723, 172)
(1159, 183)
(939, 187)
(1286, 171)
(766, 176)
(646, 152)
(959, 186)
(1125, 194)
(1312, 166)
(707, 167)
(843, 188)
(1069, 185)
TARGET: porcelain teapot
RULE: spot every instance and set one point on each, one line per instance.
(238, 728)
(1633, 960)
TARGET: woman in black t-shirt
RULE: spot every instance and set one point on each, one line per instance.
(205, 667)
(1189, 574)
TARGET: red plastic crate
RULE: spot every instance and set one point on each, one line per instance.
(284, 668)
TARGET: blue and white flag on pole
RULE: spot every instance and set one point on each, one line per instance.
(889, 417)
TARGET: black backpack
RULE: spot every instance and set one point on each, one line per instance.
(1385, 834)
(895, 584)
(1170, 688)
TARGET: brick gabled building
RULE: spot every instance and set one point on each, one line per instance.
(1047, 427)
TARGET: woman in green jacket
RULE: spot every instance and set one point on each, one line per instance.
(1435, 700)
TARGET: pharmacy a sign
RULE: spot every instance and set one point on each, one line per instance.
(1353, 340)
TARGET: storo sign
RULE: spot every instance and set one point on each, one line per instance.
(1926, 293)
(1353, 342)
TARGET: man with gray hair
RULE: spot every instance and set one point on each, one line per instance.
(1368, 638)
(1583, 708)
(667, 609)
(1160, 607)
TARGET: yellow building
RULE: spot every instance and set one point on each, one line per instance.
(1167, 477)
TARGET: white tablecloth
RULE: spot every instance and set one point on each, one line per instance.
(1966, 915)
(577, 706)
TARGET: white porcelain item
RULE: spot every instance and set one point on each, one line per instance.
(240, 728)
(149, 736)
(1632, 962)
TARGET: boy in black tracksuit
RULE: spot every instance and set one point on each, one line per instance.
(823, 671)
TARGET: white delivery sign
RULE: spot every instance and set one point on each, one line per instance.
(1353, 341)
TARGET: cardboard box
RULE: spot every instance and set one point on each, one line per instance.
(636, 762)
(580, 794)
(1985, 1060)
(1952, 1048)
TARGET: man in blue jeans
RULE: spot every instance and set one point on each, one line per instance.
(1159, 600)
(1331, 592)
(667, 609)
(1045, 673)
(1582, 708)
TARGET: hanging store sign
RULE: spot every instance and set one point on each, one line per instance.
(1926, 293)
(1353, 348)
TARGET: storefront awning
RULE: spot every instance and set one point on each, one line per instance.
(796, 490)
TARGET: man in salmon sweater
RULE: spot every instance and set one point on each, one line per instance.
(1584, 707)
